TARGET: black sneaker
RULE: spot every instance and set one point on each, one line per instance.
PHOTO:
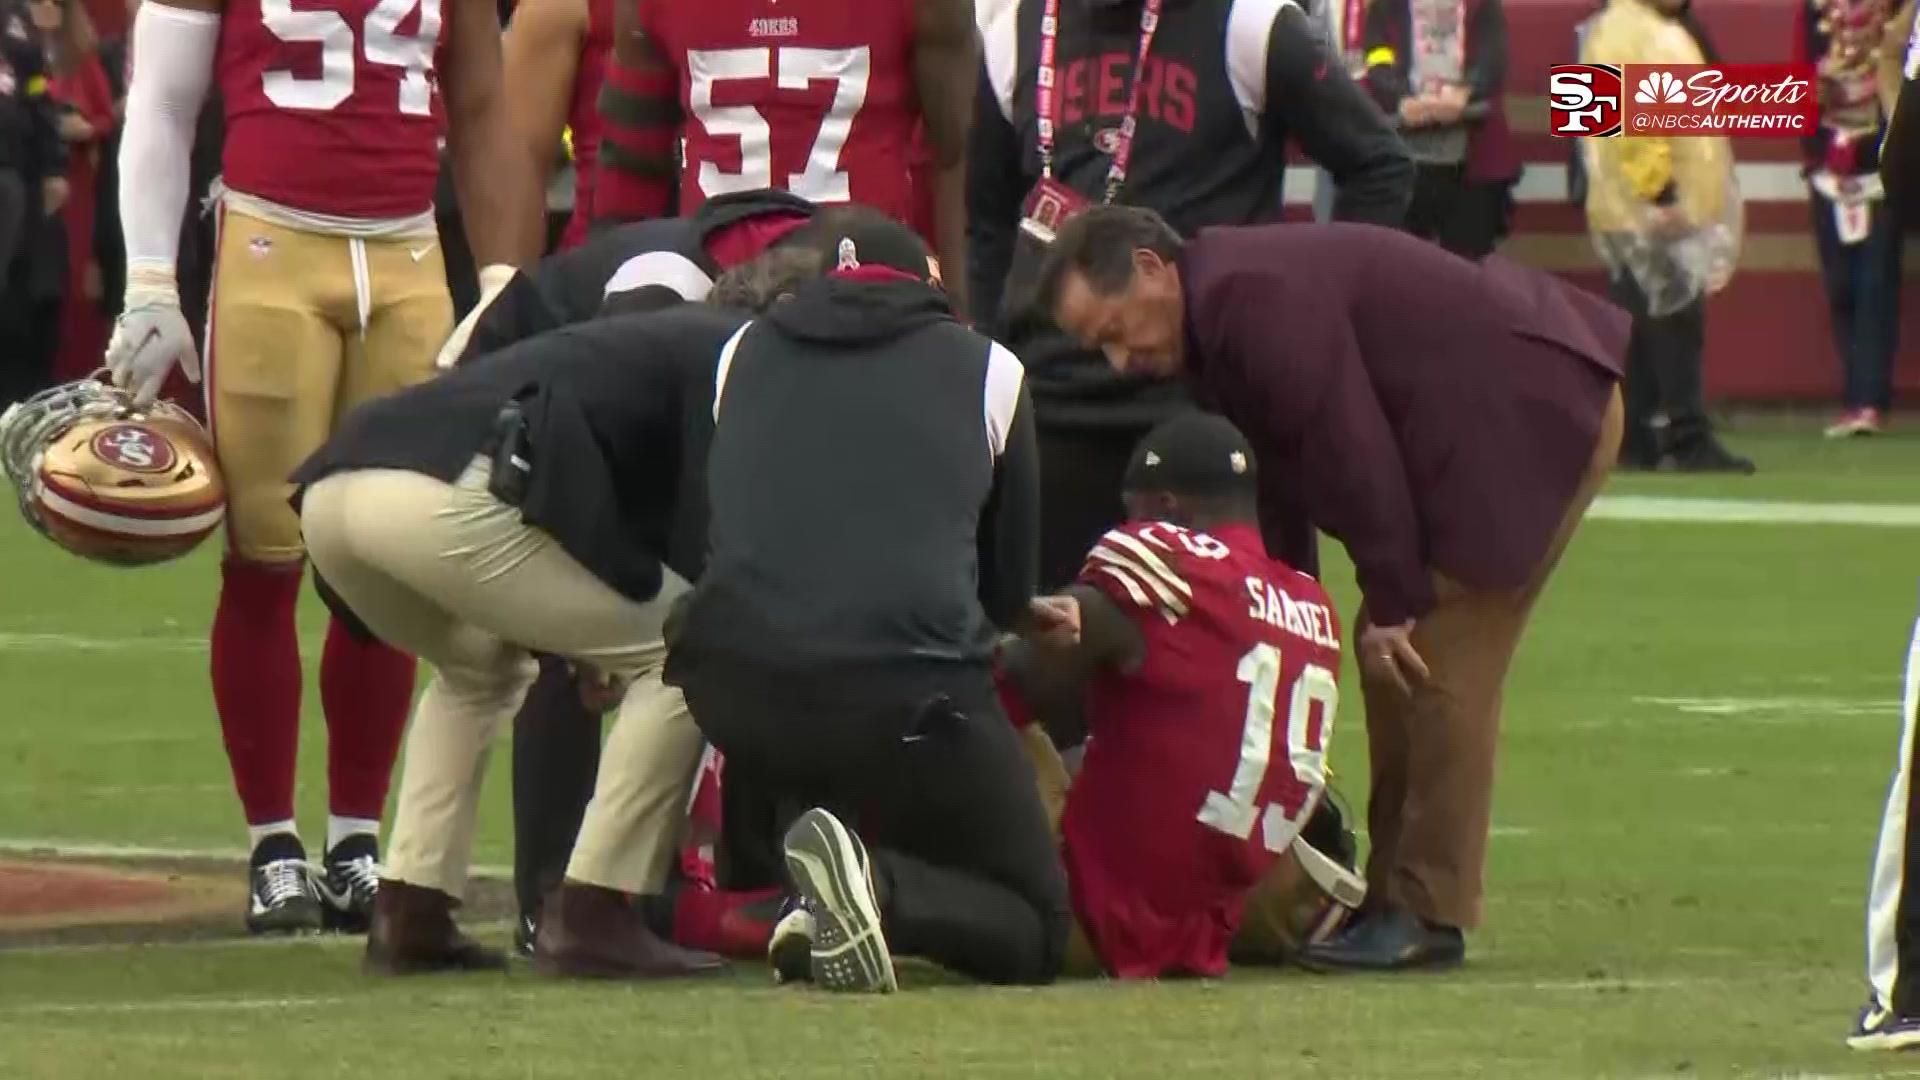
(349, 884)
(1880, 1029)
(1706, 454)
(525, 932)
(281, 897)
(790, 949)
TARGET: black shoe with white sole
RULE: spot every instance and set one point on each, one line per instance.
(349, 882)
(281, 897)
(525, 932)
(1882, 1029)
(790, 949)
(828, 865)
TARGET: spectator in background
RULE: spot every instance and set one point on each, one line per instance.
(1345, 25)
(33, 190)
(78, 84)
(1440, 67)
(109, 249)
(1665, 217)
(1858, 241)
(1212, 102)
(110, 19)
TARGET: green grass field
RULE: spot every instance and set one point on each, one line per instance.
(1698, 738)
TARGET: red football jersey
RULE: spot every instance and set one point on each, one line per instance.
(1203, 763)
(813, 96)
(333, 108)
(583, 116)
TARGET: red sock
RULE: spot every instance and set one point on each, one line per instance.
(366, 690)
(729, 923)
(256, 683)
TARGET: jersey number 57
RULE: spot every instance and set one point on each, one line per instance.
(791, 68)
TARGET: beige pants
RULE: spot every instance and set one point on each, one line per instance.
(1432, 754)
(453, 575)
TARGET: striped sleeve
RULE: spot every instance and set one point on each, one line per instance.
(1137, 573)
(640, 120)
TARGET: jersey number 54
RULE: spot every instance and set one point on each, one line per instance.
(382, 43)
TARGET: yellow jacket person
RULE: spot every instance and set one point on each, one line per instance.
(1665, 209)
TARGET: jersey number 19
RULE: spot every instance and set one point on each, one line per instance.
(1237, 810)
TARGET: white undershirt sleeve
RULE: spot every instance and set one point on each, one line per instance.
(173, 50)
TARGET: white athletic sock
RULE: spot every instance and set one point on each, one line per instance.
(339, 828)
(257, 833)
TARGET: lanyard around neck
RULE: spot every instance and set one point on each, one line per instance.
(1046, 96)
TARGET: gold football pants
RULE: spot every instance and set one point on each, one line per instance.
(303, 327)
(448, 572)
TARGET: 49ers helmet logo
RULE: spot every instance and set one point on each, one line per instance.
(134, 448)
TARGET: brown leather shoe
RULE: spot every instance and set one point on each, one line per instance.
(590, 932)
(413, 933)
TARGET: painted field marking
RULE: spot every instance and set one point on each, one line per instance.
(61, 848)
(64, 786)
(1751, 511)
(179, 1005)
(1745, 706)
(41, 641)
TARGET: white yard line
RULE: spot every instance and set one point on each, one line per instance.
(65, 848)
(1751, 511)
(39, 641)
(100, 1008)
(66, 787)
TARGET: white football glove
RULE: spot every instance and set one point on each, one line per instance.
(492, 280)
(151, 336)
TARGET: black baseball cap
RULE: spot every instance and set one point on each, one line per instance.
(1195, 453)
(852, 237)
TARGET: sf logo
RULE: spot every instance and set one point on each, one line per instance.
(133, 448)
(1583, 100)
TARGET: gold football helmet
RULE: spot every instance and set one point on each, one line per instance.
(110, 482)
(1307, 895)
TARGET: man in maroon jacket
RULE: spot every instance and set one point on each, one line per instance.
(1449, 422)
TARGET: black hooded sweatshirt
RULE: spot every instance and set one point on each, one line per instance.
(569, 287)
(872, 486)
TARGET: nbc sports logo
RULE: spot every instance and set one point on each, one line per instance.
(1660, 88)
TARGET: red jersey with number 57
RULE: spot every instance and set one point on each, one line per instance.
(1204, 761)
(813, 96)
(333, 106)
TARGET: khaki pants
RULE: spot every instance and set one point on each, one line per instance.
(1432, 754)
(303, 328)
(450, 573)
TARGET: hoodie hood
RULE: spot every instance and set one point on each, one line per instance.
(859, 310)
(723, 211)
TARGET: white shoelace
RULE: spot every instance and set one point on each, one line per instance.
(362, 875)
(286, 880)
